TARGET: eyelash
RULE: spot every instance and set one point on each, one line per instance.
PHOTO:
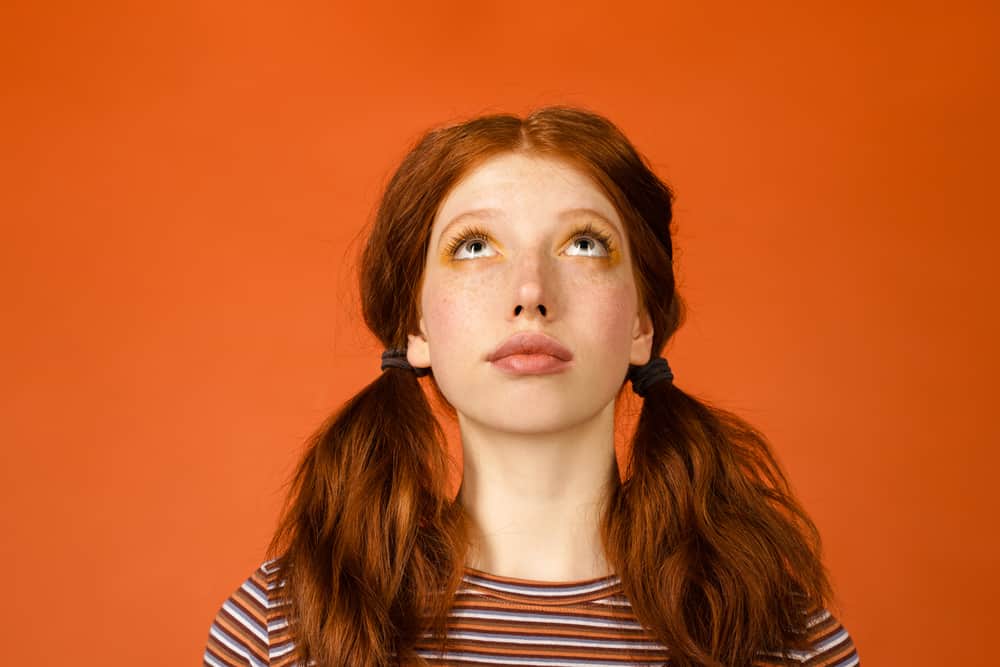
(476, 233)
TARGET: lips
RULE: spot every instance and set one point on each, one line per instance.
(530, 342)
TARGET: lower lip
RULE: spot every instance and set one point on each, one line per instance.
(531, 364)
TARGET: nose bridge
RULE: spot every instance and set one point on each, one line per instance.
(534, 278)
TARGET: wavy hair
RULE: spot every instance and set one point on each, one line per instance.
(717, 557)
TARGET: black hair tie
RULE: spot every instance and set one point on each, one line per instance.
(645, 376)
(397, 359)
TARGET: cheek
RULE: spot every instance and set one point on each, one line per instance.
(452, 313)
(613, 321)
(608, 312)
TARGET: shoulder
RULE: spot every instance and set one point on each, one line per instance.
(830, 645)
(249, 629)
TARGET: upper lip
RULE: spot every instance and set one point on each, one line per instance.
(531, 342)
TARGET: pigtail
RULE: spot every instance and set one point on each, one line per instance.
(715, 553)
(371, 546)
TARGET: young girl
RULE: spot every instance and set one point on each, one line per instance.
(524, 269)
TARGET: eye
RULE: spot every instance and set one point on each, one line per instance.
(589, 234)
(472, 239)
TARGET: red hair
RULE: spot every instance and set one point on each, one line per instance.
(717, 557)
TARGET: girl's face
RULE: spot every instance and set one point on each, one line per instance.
(528, 244)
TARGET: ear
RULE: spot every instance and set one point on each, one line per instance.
(642, 338)
(418, 352)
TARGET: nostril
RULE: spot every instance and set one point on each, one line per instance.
(518, 309)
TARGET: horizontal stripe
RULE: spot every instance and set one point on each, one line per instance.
(247, 621)
(500, 621)
(539, 591)
(234, 644)
(550, 641)
(541, 617)
(533, 660)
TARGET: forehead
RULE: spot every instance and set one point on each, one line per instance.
(513, 181)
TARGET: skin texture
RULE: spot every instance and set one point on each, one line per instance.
(538, 449)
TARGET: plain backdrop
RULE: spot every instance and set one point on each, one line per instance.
(183, 188)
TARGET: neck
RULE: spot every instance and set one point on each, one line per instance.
(536, 499)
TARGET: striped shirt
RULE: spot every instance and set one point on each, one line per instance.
(502, 621)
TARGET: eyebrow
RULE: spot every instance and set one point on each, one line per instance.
(570, 213)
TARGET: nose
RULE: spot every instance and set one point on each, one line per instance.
(534, 289)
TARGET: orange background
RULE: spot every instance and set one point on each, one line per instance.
(183, 184)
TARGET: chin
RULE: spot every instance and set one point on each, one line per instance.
(533, 416)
